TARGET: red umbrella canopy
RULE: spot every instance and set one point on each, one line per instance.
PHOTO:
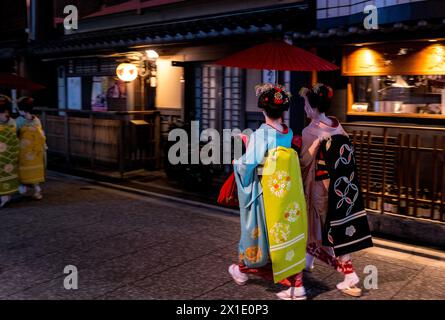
(277, 55)
(12, 81)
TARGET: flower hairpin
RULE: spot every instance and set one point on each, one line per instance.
(303, 92)
(318, 86)
(279, 94)
(264, 87)
(330, 92)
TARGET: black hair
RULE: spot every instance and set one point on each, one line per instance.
(25, 104)
(320, 97)
(266, 101)
(5, 104)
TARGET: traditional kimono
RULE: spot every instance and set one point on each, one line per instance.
(346, 226)
(32, 150)
(315, 190)
(328, 178)
(9, 152)
(272, 205)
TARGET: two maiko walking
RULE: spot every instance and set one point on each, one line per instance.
(291, 215)
(22, 151)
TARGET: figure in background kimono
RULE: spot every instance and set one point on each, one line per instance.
(271, 200)
(9, 152)
(336, 215)
(32, 149)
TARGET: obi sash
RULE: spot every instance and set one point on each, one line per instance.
(285, 212)
(32, 154)
(346, 227)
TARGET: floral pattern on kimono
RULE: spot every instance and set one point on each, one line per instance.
(285, 209)
(256, 234)
(32, 151)
(9, 152)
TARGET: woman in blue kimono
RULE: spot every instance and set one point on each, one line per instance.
(271, 199)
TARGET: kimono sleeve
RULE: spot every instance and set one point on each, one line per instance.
(297, 143)
(19, 122)
(255, 153)
(39, 123)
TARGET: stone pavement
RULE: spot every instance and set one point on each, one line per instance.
(128, 246)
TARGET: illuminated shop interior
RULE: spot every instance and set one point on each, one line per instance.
(402, 80)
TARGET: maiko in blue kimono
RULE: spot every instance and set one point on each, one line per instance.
(255, 242)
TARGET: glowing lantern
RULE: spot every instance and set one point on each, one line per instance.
(152, 55)
(127, 72)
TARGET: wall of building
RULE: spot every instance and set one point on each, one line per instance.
(169, 91)
(339, 105)
(341, 13)
(177, 11)
(13, 20)
(200, 53)
(253, 77)
(418, 231)
(338, 8)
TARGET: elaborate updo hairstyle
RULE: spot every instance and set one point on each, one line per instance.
(273, 99)
(5, 104)
(25, 104)
(319, 96)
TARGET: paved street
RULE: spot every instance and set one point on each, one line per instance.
(133, 247)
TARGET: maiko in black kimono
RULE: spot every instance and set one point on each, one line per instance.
(346, 227)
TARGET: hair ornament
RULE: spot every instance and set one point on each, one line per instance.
(272, 93)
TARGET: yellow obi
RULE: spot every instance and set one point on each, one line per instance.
(32, 153)
(285, 210)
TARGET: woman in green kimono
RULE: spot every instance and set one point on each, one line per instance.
(9, 152)
(272, 204)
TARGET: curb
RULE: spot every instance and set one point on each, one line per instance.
(409, 249)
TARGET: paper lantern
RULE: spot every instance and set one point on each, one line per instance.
(127, 72)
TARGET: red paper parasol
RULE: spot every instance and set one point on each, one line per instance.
(277, 55)
(12, 81)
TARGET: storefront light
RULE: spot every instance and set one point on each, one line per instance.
(438, 54)
(152, 55)
(368, 57)
(402, 51)
(126, 72)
